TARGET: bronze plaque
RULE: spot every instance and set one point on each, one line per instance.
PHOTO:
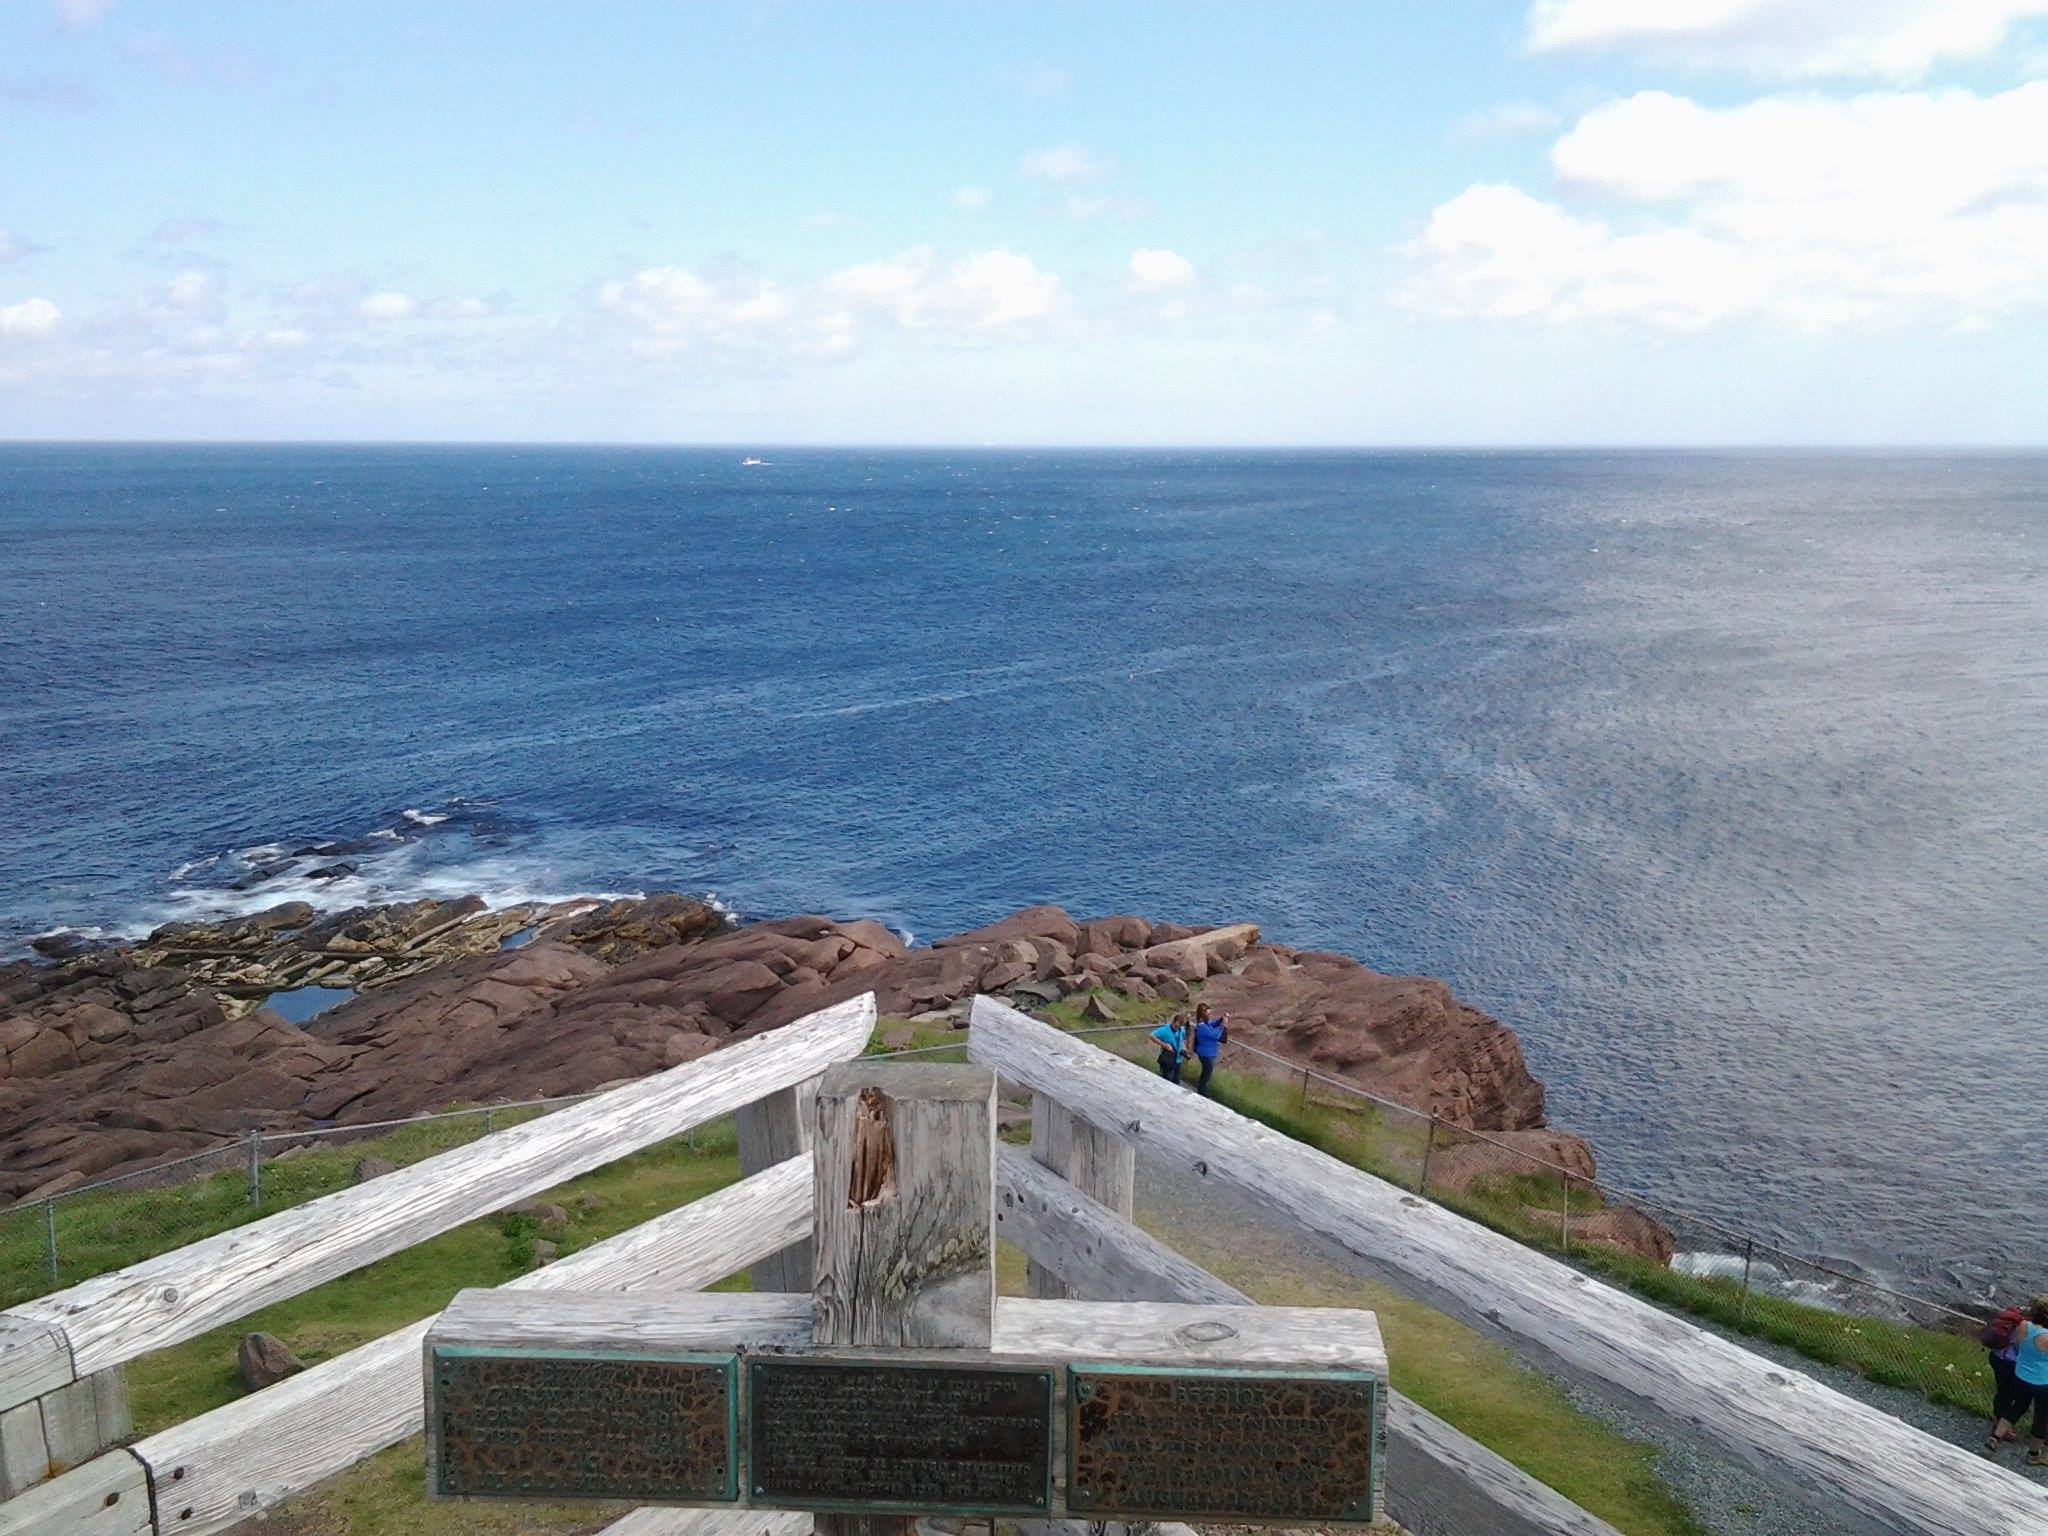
(1249, 1447)
(902, 1438)
(541, 1424)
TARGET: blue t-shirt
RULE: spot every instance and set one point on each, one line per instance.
(1208, 1038)
(1168, 1038)
(2031, 1363)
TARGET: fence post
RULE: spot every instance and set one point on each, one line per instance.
(490, 1120)
(50, 1237)
(255, 1168)
(1304, 1089)
(1564, 1220)
(1748, 1258)
(1428, 1151)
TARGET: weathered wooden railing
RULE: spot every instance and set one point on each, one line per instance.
(219, 1468)
(1854, 1461)
(1066, 1205)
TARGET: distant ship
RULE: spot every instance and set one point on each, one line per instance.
(744, 463)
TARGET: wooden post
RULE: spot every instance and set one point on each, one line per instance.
(1099, 1165)
(904, 1226)
(773, 1130)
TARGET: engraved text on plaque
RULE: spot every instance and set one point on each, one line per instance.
(1221, 1445)
(511, 1425)
(848, 1435)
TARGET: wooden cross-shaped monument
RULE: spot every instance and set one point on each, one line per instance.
(901, 1385)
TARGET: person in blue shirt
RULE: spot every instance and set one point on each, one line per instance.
(2030, 1367)
(1173, 1046)
(1210, 1037)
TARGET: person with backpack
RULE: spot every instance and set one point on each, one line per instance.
(2030, 1366)
(2008, 1400)
(1211, 1035)
(1173, 1046)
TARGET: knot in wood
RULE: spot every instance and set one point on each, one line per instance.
(871, 1174)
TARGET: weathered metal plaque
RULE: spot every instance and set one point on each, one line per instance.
(899, 1438)
(1229, 1446)
(545, 1424)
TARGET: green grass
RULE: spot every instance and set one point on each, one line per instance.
(1945, 1367)
(198, 1375)
(105, 1230)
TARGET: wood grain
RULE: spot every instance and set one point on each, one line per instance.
(1091, 1160)
(166, 1300)
(34, 1359)
(773, 1130)
(108, 1496)
(1851, 1459)
(223, 1466)
(904, 1237)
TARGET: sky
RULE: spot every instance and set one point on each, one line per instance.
(1384, 222)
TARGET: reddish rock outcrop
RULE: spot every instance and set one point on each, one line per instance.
(120, 1058)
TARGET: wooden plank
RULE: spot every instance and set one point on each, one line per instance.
(108, 1496)
(905, 1240)
(1439, 1481)
(1444, 1483)
(772, 1130)
(110, 1396)
(1091, 1160)
(906, 1253)
(219, 1468)
(1025, 1331)
(71, 1425)
(24, 1453)
(1050, 1128)
(610, 1321)
(1895, 1479)
(34, 1359)
(709, 1522)
(163, 1301)
(1190, 1334)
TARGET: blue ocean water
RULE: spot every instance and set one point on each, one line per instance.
(1720, 777)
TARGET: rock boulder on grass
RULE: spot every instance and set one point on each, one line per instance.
(263, 1360)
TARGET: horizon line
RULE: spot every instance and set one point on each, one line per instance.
(908, 446)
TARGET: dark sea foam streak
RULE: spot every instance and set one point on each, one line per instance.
(1719, 777)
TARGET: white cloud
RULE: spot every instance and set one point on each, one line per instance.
(973, 199)
(1063, 163)
(29, 319)
(1159, 271)
(1798, 210)
(388, 305)
(674, 305)
(989, 290)
(668, 310)
(1890, 39)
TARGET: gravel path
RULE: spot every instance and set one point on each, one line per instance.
(1724, 1494)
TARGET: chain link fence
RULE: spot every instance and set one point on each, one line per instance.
(93, 1228)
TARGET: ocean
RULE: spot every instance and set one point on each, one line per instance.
(1720, 777)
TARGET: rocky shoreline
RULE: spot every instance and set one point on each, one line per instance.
(115, 1058)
